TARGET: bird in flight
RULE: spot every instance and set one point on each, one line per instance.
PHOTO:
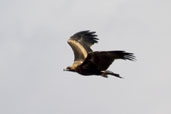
(88, 62)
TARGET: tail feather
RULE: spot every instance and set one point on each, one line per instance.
(124, 55)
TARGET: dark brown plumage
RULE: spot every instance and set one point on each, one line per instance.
(87, 62)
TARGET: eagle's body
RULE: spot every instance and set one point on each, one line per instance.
(87, 62)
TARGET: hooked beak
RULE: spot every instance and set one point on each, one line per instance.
(68, 69)
(65, 69)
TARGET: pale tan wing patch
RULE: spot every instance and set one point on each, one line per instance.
(80, 52)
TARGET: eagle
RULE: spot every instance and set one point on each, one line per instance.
(88, 62)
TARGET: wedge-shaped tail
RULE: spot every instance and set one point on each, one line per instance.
(123, 55)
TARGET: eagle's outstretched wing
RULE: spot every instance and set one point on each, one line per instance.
(101, 60)
(80, 44)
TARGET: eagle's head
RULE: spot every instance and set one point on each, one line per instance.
(69, 68)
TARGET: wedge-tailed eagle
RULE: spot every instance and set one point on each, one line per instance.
(88, 62)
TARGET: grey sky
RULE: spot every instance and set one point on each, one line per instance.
(34, 51)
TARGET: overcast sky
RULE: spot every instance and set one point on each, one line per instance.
(34, 51)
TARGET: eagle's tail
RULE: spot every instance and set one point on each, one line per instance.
(123, 55)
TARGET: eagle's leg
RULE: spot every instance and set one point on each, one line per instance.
(105, 73)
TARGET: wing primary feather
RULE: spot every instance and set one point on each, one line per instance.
(85, 37)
